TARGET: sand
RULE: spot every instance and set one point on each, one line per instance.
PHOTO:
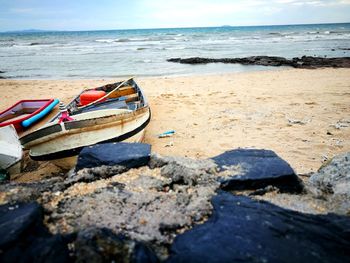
(302, 115)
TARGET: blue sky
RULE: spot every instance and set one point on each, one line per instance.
(123, 14)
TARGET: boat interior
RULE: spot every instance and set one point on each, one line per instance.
(19, 111)
(127, 97)
(114, 96)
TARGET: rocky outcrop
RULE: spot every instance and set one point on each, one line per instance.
(244, 230)
(303, 62)
(136, 209)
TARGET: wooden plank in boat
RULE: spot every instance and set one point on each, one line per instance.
(123, 91)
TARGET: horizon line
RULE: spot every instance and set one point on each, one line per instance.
(157, 28)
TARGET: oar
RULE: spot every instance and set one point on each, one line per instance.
(109, 93)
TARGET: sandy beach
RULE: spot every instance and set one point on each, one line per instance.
(302, 115)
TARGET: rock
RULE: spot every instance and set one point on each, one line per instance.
(183, 170)
(27, 192)
(147, 215)
(147, 205)
(24, 237)
(243, 230)
(303, 62)
(333, 182)
(129, 155)
(1, 72)
(92, 174)
(102, 245)
(15, 220)
(244, 169)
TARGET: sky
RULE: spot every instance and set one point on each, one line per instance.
(130, 14)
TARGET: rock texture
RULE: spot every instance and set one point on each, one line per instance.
(333, 182)
(149, 205)
(303, 62)
(244, 230)
(244, 169)
(102, 245)
(29, 192)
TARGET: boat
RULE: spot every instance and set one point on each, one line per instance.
(26, 112)
(110, 113)
(10, 149)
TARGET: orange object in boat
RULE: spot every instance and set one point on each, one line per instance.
(91, 96)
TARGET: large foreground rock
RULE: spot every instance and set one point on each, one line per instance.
(244, 169)
(244, 230)
(23, 237)
(333, 182)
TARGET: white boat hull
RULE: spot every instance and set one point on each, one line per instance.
(10, 147)
(85, 130)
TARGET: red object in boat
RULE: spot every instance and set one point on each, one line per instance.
(21, 111)
(90, 96)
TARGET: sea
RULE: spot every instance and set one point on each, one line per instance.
(144, 52)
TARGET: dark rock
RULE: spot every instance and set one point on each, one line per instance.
(102, 245)
(1, 72)
(244, 230)
(24, 237)
(244, 169)
(16, 220)
(303, 62)
(333, 182)
(129, 155)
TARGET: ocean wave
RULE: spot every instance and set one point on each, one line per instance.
(6, 44)
(40, 44)
(136, 39)
(7, 40)
(175, 48)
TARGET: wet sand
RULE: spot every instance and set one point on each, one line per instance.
(303, 115)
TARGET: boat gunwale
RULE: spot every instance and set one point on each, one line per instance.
(79, 125)
(76, 151)
(18, 121)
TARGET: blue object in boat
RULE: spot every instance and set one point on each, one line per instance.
(30, 121)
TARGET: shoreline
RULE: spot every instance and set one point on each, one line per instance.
(293, 112)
